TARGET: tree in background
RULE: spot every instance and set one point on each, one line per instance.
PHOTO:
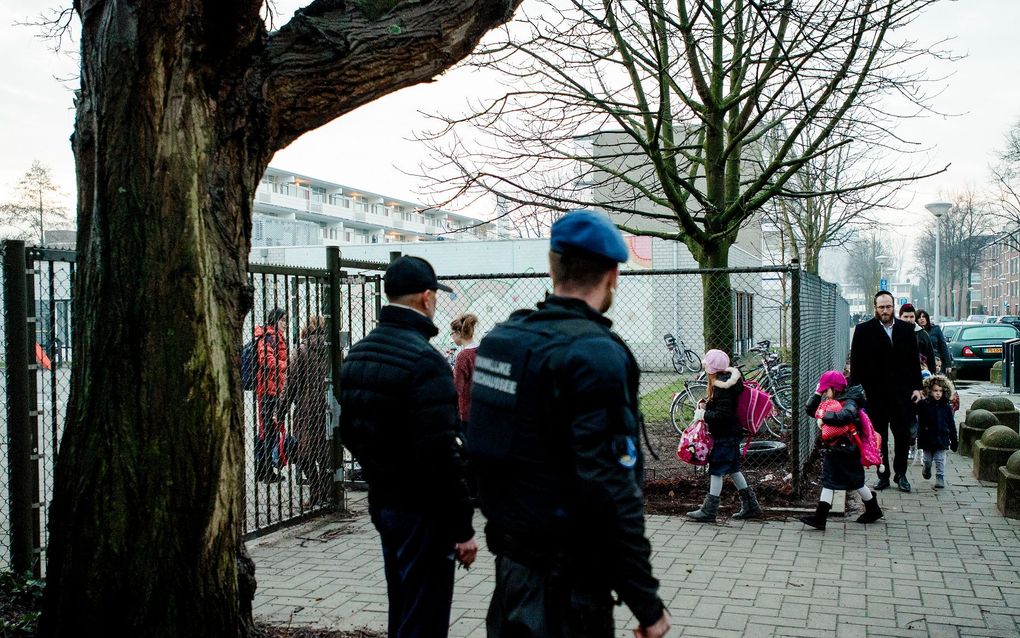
(1006, 187)
(684, 119)
(967, 229)
(864, 268)
(37, 206)
(181, 105)
(832, 199)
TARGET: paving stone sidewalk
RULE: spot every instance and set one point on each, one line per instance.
(942, 563)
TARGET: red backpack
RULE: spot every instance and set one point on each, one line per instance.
(869, 442)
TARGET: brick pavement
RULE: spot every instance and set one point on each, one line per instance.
(940, 564)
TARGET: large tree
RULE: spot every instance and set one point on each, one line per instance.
(683, 119)
(182, 104)
(37, 205)
(864, 267)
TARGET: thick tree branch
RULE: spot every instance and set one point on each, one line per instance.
(333, 57)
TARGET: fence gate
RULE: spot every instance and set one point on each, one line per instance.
(287, 478)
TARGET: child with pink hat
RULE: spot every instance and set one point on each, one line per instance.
(837, 409)
(720, 414)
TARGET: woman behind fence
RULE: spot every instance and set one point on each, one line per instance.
(720, 414)
(841, 458)
(306, 388)
(462, 330)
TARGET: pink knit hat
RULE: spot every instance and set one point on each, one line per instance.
(832, 379)
(715, 361)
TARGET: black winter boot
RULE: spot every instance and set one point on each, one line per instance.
(749, 506)
(872, 512)
(708, 510)
(817, 520)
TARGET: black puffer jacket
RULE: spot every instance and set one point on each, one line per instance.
(721, 410)
(399, 419)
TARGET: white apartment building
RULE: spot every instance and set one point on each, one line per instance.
(297, 210)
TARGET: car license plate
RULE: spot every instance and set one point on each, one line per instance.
(993, 350)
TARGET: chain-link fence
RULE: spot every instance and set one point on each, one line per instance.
(782, 328)
(822, 327)
(669, 319)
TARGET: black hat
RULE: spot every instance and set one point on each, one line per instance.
(408, 275)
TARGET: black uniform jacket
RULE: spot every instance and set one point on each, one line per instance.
(557, 400)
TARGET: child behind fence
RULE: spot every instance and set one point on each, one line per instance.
(720, 413)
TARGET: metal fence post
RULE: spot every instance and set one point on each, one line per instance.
(335, 359)
(795, 356)
(19, 403)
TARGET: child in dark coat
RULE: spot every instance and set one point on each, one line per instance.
(937, 431)
(720, 413)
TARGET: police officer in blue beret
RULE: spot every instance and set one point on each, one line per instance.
(554, 431)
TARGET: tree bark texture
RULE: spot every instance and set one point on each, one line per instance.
(182, 104)
(717, 296)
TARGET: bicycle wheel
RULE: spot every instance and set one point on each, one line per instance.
(692, 361)
(681, 412)
(678, 362)
(782, 396)
(782, 399)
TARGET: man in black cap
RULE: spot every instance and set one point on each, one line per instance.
(399, 420)
(555, 430)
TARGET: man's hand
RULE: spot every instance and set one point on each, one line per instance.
(916, 396)
(938, 365)
(657, 630)
(466, 552)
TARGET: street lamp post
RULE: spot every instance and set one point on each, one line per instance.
(938, 209)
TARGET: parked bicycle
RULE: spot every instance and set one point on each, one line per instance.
(682, 357)
(771, 375)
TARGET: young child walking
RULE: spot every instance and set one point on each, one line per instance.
(720, 414)
(937, 431)
(841, 458)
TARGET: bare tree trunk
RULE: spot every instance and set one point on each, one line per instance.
(717, 298)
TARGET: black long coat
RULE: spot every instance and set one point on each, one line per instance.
(889, 371)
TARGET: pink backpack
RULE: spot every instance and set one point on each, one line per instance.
(868, 441)
(695, 444)
(754, 405)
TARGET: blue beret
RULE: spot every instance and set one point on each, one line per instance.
(591, 232)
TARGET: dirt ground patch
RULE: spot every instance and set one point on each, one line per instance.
(674, 488)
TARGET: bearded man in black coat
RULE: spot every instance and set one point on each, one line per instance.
(884, 360)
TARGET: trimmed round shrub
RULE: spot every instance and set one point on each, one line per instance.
(1013, 464)
(981, 419)
(1001, 436)
(994, 404)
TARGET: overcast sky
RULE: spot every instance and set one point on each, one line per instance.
(367, 148)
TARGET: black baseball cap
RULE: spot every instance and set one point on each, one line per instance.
(408, 275)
